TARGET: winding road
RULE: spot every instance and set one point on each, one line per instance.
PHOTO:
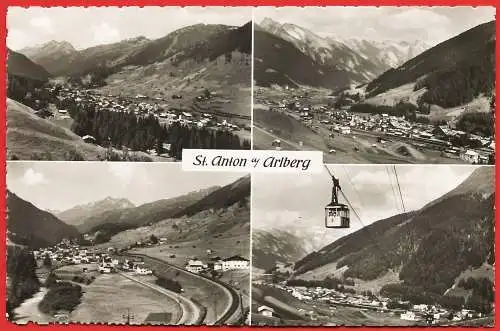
(232, 312)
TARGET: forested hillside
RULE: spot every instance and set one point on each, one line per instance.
(453, 72)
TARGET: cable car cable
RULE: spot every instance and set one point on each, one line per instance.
(393, 188)
(399, 188)
(352, 184)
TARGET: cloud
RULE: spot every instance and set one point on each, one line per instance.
(17, 39)
(105, 33)
(33, 178)
(44, 23)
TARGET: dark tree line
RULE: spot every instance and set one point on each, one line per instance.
(120, 129)
(62, 295)
(458, 85)
(28, 92)
(483, 294)
(328, 282)
(23, 282)
(402, 109)
(477, 123)
(420, 295)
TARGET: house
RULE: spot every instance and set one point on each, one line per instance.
(421, 307)
(266, 311)
(235, 262)
(409, 316)
(345, 130)
(195, 266)
(104, 269)
(89, 139)
(470, 156)
(142, 271)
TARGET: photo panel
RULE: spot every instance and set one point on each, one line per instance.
(374, 245)
(376, 84)
(144, 244)
(127, 83)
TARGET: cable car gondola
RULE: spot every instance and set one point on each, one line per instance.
(336, 214)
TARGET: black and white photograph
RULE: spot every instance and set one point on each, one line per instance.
(127, 83)
(376, 84)
(374, 245)
(126, 243)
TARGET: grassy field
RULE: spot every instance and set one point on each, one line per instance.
(289, 128)
(209, 295)
(30, 137)
(110, 297)
(179, 253)
(240, 280)
(28, 134)
(69, 272)
(231, 81)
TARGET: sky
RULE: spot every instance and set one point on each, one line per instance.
(59, 186)
(296, 203)
(86, 27)
(431, 25)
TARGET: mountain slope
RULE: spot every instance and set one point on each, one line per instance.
(35, 227)
(208, 203)
(77, 214)
(147, 213)
(20, 66)
(412, 244)
(269, 247)
(451, 73)
(325, 51)
(362, 60)
(28, 134)
(61, 59)
(195, 42)
(220, 198)
(277, 61)
(385, 54)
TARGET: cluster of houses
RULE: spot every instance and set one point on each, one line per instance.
(142, 106)
(67, 253)
(235, 262)
(421, 135)
(434, 315)
(421, 312)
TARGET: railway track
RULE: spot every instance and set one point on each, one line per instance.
(232, 313)
(189, 310)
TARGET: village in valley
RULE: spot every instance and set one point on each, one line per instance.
(343, 129)
(136, 98)
(319, 305)
(62, 102)
(164, 260)
(83, 264)
(110, 260)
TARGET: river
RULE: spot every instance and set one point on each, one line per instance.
(28, 311)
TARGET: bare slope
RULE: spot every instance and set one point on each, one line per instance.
(29, 135)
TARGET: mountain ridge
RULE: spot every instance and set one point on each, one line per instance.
(361, 60)
(74, 215)
(46, 231)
